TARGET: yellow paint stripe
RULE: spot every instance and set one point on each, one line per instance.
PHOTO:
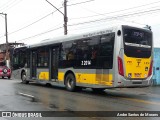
(43, 76)
(141, 101)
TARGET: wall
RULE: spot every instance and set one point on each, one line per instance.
(2, 56)
(156, 67)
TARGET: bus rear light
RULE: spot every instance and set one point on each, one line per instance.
(120, 66)
(150, 69)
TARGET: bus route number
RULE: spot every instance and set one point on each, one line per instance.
(86, 62)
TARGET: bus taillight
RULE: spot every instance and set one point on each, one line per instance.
(150, 69)
(120, 66)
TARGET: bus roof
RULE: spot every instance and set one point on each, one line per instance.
(64, 38)
(72, 37)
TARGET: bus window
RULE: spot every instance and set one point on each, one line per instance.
(70, 55)
(105, 58)
(15, 60)
(28, 59)
(138, 41)
(43, 57)
(22, 58)
(87, 51)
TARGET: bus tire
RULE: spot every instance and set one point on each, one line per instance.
(23, 77)
(70, 82)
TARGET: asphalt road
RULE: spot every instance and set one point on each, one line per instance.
(15, 96)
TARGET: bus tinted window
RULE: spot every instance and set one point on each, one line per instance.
(16, 57)
(22, 58)
(137, 42)
(106, 50)
(19, 59)
(28, 59)
(42, 57)
(137, 38)
(93, 52)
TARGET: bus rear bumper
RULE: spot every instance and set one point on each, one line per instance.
(133, 83)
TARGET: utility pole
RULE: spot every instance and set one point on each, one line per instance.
(6, 34)
(64, 14)
(6, 29)
(65, 17)
(7, 45)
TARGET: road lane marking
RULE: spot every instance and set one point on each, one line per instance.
(27, 95)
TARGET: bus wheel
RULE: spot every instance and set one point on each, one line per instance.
(70, 82)
(23, 77)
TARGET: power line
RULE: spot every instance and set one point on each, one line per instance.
(39, 34)
(79, 23)
(116, 17)
(64, 15)
(99, 24)
(76, 23)
(34, 22)
(89, 22)
(43, 18)
(117, 11)
(6, 4)
(54, 7)
(80, 3)
(31, 23)
(10, 4)
(85, 23)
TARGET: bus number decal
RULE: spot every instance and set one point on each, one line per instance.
(86, 62)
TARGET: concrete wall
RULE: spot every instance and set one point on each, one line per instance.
(156, 67)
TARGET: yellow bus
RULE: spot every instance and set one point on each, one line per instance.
(114, 57)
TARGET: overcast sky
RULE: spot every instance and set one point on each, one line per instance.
(30, 21)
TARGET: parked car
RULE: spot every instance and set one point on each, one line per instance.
(5, 71)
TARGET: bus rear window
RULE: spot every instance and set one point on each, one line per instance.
(137, 38)
(137, 42)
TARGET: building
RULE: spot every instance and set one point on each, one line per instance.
(4, 46)
(5, 51)
(156, 67)
(2, 56)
